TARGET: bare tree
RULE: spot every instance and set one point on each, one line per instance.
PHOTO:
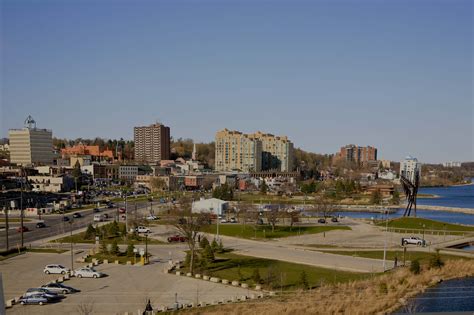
(245, 212)
(272, 217)
(85, 307)
(324, 207)
(412, 307)
(188, 225)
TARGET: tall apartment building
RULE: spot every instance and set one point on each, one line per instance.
(356, 154)
(30, 145)
(152, 143)
(409, 167)
(278, 152)
(253, 152)
(237, 151)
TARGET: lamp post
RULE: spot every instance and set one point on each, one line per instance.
(385, 244)
(423, 234)
(72, 248)
(146, 248)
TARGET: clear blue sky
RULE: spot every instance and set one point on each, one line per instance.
(394, 74)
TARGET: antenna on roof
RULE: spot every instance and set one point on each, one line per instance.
(30, 123)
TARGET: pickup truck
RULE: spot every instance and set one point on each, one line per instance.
(413, 240)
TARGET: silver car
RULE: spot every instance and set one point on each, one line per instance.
(59, 288)
(34, 299)
(88, 273)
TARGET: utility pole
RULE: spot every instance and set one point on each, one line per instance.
(6, 227)
(385, 245)
(21, 208)
(72, 249)
(146, 248)
(126, 213)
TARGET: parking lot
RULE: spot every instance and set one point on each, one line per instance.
(125, 289)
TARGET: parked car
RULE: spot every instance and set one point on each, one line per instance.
(122, 210)
(177, 238)
(96, 210)
(39, 299)
(413, 240)
(334, 219)
(46, 293)
(40, 225)
(106, 216)
(88, 273)
(142, 229)
(111, 205)
(152, 217)
(224, 221)
(233, 220)
(55, 268)
(99, 218)
(322, 220)
(24, 229)
(76, 215)
(59, 288)
(66, 219)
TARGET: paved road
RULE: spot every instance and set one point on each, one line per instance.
(56, 226)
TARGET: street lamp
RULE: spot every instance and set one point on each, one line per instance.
(72, 248)
(385, 244)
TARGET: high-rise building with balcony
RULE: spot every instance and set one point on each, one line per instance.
(253, 152)
(152, 143)
(356, 154)
(31, 145)
(409, 168)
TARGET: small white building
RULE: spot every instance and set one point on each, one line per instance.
(409, 167)
(128, 172)
(212, 205)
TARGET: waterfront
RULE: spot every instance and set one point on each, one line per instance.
(454, 196)
(455, 295)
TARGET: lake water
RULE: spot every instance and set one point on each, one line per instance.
(455, 196)
(450, 296)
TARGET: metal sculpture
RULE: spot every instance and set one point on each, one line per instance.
(411, 190)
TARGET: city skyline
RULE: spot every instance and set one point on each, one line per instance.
(325, 75)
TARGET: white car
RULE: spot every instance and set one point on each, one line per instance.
(224, 221)
(55, 269)
(152, 217)
(413, 240)
(88, 273)
(142, 229)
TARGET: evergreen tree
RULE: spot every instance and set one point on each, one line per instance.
(208, 254)
(376, 197)
(396, 197)
(204, 242)
(415, 266)
(130, 249)
(123, 230)
(214, 245)
(263, 188)
(304, 280)
(220, 247)
(90, 232)
(114, 250)
(103, 247)
(113, 229)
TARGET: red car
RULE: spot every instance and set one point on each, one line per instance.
(122, 210)
(25, 229)
(177, 238)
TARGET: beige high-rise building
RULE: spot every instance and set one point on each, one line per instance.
(237, 151)
(278, 152)
(152, 143)
(31, 145)
(253, 152)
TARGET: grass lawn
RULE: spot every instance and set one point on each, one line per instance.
(378, 254)
(265, 231)
(122, 258)
(417, 223)
(79, 238)
(47, 250)
(284, 275)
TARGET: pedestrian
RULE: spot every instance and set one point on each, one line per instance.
(199, 238)
(395, 262)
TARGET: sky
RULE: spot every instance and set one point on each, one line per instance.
(397, 75)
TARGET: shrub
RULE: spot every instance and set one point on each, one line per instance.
(256, 276)
(435, 261)
(415, 266)
(220, 247)
(208, 254)
(383, 289)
